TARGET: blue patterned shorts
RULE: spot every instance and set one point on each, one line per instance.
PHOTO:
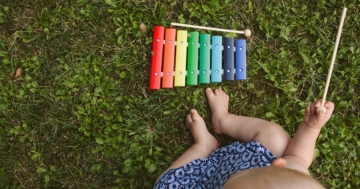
(212, 172)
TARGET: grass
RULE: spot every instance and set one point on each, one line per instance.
(80, 114)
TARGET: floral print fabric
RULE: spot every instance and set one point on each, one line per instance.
(212, 172)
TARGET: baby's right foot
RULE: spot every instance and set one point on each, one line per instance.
(219, 104)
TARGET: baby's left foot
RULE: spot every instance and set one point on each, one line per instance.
(199, 131)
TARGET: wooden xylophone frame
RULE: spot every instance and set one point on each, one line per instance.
(204, 61)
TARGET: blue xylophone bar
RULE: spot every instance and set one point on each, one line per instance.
(240, 59)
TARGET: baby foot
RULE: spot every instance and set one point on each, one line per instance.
(219, 103)
(199, 131)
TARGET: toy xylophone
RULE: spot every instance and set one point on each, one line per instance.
(196, 59)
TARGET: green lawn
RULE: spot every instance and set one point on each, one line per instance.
(80, 114)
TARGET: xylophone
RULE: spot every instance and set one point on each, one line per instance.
(196, 59)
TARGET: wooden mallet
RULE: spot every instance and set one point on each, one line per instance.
(333, 58)
(246, 32)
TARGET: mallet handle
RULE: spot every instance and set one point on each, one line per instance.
(207, 28)
(334, 55)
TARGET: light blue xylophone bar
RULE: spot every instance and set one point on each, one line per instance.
(216, 59)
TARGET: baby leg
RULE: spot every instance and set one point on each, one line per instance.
(245, 129)
(204, 145)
